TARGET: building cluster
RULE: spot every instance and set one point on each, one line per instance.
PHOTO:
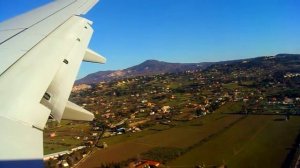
(188, 94)
(262, 85)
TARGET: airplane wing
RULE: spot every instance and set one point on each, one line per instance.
(40, 55)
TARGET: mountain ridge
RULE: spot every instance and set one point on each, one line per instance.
(154, 67)
(148, 67)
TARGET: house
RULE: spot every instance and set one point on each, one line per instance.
(52, 134)
(165, 109)
(288, 101)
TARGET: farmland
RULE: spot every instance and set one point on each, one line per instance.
(256, 141)
(215, 139)
(182, 134)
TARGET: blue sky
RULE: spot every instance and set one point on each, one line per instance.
(128, 32)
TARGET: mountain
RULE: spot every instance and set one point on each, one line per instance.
(149, 67)
(153, 67)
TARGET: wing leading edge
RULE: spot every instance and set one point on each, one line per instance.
(36, 79)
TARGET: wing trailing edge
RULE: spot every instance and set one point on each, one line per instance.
(92, 56)
(61, 85)
(75, 112)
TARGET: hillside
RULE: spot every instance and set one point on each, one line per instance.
(154, 67)
(195, 113)
(149, 67)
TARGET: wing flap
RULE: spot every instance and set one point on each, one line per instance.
(63, 81)
(92, 56)
(75, 112)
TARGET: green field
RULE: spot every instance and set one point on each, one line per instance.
(213, 140)
(205, 126)
(65, 133)
(256, 141)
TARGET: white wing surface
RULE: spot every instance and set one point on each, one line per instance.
(40, 55)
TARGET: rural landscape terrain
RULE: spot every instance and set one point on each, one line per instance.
(240, 113)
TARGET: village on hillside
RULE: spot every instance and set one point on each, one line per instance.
(264, 86)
